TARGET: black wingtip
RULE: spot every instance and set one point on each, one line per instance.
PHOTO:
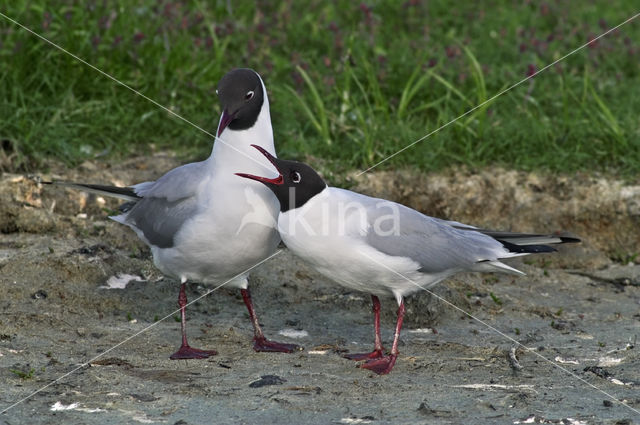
(566, 237)
(526, 249)
(115, 191)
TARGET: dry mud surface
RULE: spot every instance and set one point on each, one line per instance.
(109, 350)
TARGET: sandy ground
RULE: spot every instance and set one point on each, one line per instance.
(575, 308)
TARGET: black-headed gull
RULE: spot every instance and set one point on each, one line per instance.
(193, 217)
(381, 247)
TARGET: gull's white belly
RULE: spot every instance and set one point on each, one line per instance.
(335, 246)
(228, 236)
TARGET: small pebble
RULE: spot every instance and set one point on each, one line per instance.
(41, 294)
(267, 380)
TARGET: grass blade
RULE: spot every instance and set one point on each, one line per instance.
(319, 115)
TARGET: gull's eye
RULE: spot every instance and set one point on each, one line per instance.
(295, 177)
(249, 95)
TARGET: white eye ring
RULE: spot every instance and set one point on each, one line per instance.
(296, 177)
(249, 95)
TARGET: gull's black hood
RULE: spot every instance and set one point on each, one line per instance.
(294, 186)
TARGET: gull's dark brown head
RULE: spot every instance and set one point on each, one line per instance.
(295, 184)
(241, 97)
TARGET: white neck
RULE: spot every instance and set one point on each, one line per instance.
(233, 148)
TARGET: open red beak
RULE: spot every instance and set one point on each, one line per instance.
(277, 180)
(225, 121)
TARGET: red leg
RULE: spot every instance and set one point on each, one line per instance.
(378, 349)
(260, 343)
(383, 365)
(185, 351)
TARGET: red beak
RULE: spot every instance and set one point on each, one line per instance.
(277, 180)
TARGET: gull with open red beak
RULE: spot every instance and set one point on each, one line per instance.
(192, 217)
(381, 247)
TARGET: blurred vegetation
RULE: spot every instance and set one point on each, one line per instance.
(349, 82)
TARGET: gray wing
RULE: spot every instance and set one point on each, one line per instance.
(157, 209)
(166, 204)
(160, 219)
(181, 182)
(430, 242)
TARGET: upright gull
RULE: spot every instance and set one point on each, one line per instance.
(194, 218)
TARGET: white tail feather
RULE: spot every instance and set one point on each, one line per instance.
(503, 267)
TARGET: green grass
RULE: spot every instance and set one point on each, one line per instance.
(349, 82)
(22, 374)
